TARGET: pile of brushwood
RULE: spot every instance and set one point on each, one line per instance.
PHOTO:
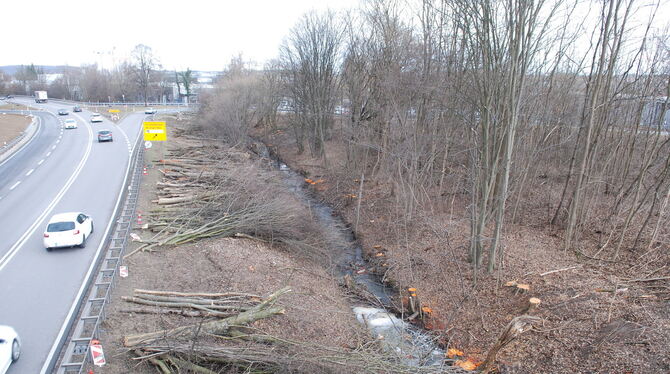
(224, 340)
(217, 192)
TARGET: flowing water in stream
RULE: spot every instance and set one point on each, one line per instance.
(413, 345)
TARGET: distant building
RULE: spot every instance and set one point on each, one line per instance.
(653, 111)
(204, 80)
(49, 78)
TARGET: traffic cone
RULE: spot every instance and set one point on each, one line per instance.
(145, 171)
(139, 218)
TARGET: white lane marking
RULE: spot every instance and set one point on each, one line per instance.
(14, 186)
(57, 141)
(53, 147)
(40, 162)
(31, 230)
(130, 146)
(29, 172)
(94, 263)
(48, 154)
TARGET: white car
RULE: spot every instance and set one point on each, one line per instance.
(96, 117)
(68, 230)
(70, 124)
(150, 111)
(10, 347)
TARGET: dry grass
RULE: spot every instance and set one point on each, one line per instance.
(12, 106)
(11, 126)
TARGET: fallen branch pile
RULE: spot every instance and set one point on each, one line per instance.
(213, 192)
(261, 310)
(217, 344)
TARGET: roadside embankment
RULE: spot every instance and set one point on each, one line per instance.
(315, 319)
(15, 131)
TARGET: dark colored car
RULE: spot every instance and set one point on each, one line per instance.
(62, 112)
(76, 109)
(105, 136)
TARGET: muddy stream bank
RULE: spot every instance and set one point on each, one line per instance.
(413, 345)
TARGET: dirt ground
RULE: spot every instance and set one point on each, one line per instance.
(597, 316)
(11, 126)
(317, 311)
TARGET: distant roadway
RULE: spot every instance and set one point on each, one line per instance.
(57, 171)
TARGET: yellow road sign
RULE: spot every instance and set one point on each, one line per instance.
(114, 111)
(155, 131)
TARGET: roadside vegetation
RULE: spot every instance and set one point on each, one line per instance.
(489, 162)
(139, 79)
(504, 165)
(228, 272)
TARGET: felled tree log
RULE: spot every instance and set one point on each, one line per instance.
(175, 200)
(182, 312)
(181, 304)
(232, 303)
(219, 327)
(176, 185)
(197, 294)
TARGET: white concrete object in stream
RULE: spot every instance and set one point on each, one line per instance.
(412, 346)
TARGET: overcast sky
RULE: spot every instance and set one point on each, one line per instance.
(199, 34)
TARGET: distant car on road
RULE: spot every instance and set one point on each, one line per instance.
(105, 136)
(70, 124)
(10, 96)
(150, 111)
(10, 347)
(67, 230)
(96, 117)
(76, 109)
(63, 112)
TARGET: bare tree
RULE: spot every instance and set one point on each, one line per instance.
(598, 102)
(309, 58)
(270, 95)
(501, 38)
(144, 63)
(124, 83)
(95, 84)
(231, 109)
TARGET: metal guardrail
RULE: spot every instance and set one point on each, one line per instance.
(74, 354)
(116, 103)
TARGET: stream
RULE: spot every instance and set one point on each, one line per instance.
(412, 345)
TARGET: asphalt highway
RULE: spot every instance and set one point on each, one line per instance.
(57, 171)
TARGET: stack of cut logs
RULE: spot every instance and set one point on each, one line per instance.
(175, 348)
(191, 304)
(216, 194)
(225, 341)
